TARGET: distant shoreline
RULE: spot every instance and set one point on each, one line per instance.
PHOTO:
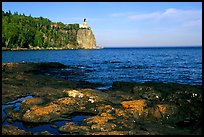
(155, 47)
(26, 49)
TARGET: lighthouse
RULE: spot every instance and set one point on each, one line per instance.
(84, 25)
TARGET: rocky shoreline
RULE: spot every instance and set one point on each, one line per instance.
(125, 109)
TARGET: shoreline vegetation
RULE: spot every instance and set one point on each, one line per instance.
(50, 48)
(125, 109)
(97, 47)
(20, 32)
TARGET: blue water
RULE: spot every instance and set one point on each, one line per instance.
(178, 65)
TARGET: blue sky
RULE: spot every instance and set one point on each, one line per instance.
(127, 24)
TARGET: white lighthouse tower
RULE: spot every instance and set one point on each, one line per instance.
(84, 25)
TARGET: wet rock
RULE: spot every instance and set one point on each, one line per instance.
(3, 119)
(162, 111)
(146, 92)
(8, 109)
(71, 127)
(122, 86)
(12, 130)
(189, 106)
(15, 115)
(43, 133)
(54, 126)
(120, 96)
(138, 90)
(10, 121)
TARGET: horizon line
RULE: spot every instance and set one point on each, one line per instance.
(150, 46)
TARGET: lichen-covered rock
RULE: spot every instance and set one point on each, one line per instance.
(101, 108)
(74, 93)
(120, 112)
(65, 101)
(32, 101)
(100, 120)
(15, 115)
(28, 103)
(71, 127)
(137, 105)
(104, 127)
(54, 110)
(51, 111)
(12, 130)
(40, 114)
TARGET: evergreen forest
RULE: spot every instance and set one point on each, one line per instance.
(27, 32)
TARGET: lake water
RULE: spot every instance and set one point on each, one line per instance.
(169, 65)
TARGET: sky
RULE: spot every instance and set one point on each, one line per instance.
(125, 24)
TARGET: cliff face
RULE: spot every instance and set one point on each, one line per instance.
(86, 39)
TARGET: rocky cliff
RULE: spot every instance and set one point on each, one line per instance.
(86, 39)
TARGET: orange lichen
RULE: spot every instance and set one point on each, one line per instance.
(108, 107)
(32, 101)
(162, 108)
(158, 111)
(65, 101)
(98, 120)
(37, 110)
(87, 95)
(103, 118)
(120, 112)
(105, 115)
(135, 104)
